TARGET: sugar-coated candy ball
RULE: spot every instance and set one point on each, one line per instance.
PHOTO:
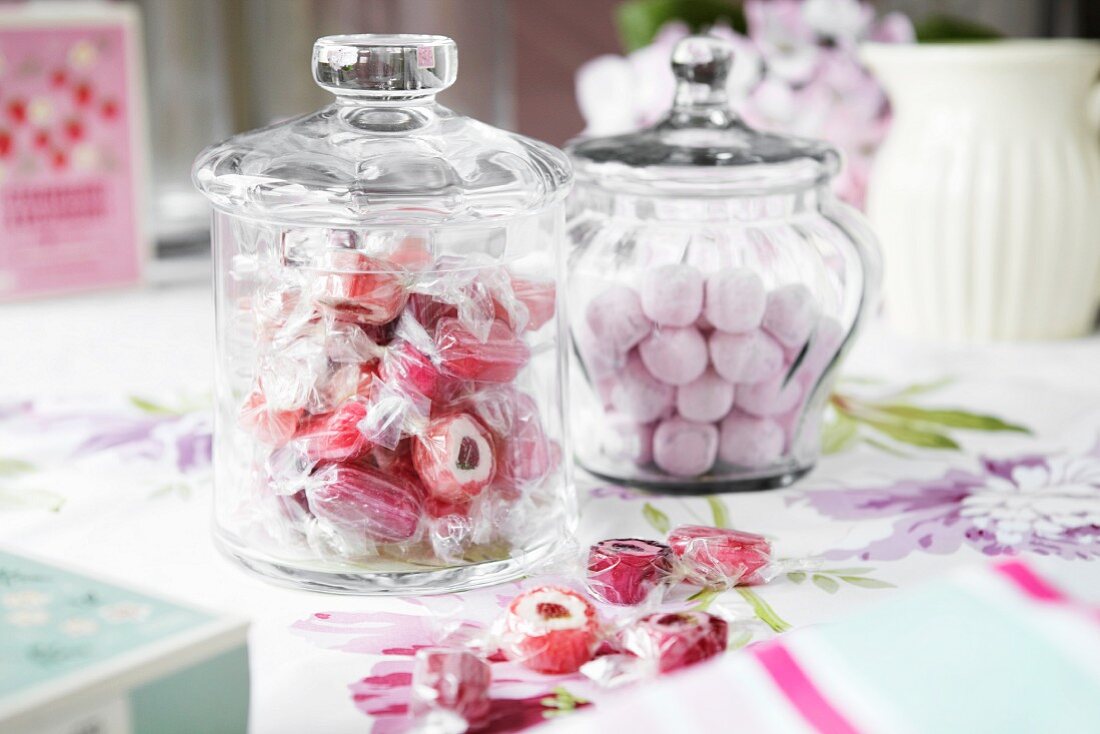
(550, 629)
(720, 557)
(455, 457)
(825, 343)
(674, 355)
(749, 441)
(770, 397)
(384, 507)
(616, 319)
(640, 395)
(684, 448)
(674, 640)
(453, 680)
(626, 570)
(745, 358)
(705, 399)
(735, 300)
(791, 314)
(624, 439)
(672, 295)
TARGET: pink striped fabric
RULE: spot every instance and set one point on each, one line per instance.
(1030, 583)
(796, 685)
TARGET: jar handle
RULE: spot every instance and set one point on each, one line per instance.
(1092, 106)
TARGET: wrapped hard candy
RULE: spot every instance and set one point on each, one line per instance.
(335, 436)
(720, 557)
(734, 300)
(625, 571)
(706, 399)
(745, 358)
(383, 507)
(550, 629)
(672, 295)
(616, 319)
(455, 457)
(539, 299)
(770, 397)
(499, 358)
(675, 356)
(638, 394)
(685, 448)
(674, 640)
(359, 288)
(408, 370)
(749, 441)
(791, 314)
(524, 453)
(453, 681)
(272, 427)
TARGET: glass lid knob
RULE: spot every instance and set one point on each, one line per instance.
(385, 66)
(701, 65)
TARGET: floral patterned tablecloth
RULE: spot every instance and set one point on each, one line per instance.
(940, 457)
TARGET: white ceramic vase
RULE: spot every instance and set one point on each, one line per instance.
(986, 193)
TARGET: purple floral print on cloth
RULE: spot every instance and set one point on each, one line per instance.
(519, 696)
(1048, 505)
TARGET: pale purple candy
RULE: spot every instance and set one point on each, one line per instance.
(674, 355)
(639, 394)
(824, 344)
(770, 397)
(685, 448)
(705, 399)
(616, 319)
(750, 441)
(672, 295)
(745, 358)
(626, 440)
(791, 314)
(735, 300)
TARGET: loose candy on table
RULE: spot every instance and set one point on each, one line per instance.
(672, 295)
(706, 399)
(616, 320)
(674, 640)
(734, 300)
(451, 680)
(685, 448)
(675, 356)
(496, 359)
(719, 557)
(791, 314)
(745, 358)
(626, 571)
(382, 506)
(750, 441)
(550, 629)
(639, 395)
(771, 397)
(455, 457)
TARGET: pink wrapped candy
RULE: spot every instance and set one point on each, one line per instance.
(639, 394)
(550, 629)
(498, 359)
(672, 295)
(540, 298)
(674, 355)
(616, 319)
(749, 441)
(451, 680)
(625, 571)
(524, 453)
(684, 448)
(791, 314)
(676, 640)
(361, 289)
(745, 358)
(455, 457)
(706, 399)
(735, 300)
(409, 370)
(384, 507)
(272, 427)
(335, 436)
(718, 557)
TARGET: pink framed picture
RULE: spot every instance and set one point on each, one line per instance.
(72, 163)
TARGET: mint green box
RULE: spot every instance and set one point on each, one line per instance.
(78, 654)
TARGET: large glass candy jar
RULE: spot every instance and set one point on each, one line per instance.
(389, 377)
(715, 282)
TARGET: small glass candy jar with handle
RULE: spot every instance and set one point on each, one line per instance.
(715, 282)
(389, 362)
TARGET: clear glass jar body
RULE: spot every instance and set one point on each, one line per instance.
(389, 401)
(707, 330)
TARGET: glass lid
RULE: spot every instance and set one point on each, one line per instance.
(702, 148)
(384, 151)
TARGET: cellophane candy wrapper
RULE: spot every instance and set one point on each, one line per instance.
(628, 571)
(550, 629)
(396, 411)
(450, 691)
(721, 558)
